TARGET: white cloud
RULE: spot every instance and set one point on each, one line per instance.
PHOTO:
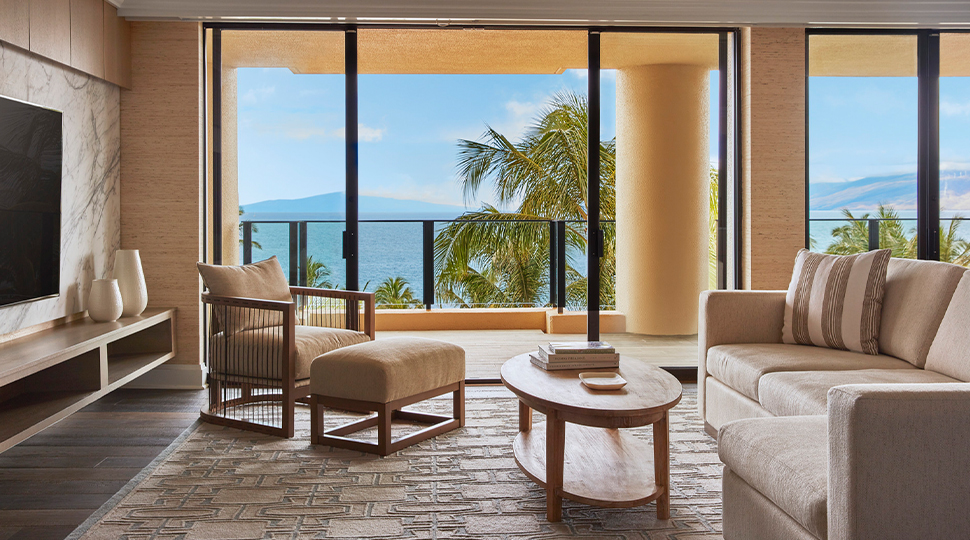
(954, 166)
(955, 109)
(255, 95)
(369, 134)
(521, 114)
(302, 129)
(404, 187)
(364, 133)
(302, 133)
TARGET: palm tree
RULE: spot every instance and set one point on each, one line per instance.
(854, 236)
(482, 259)
(255, 229)
(712, 237)
(954, 249)
(317, 274)
(395, 293)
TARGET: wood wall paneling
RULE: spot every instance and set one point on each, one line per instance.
(15, 22)
(117, 47)
(161, 155)
(50, 29)
(87, 36)
(773, 93)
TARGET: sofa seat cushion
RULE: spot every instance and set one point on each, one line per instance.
(255, 355)
(741, 366)
(796, 393)
(786, 460)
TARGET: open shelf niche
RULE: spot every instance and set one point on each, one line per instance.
(47, 375)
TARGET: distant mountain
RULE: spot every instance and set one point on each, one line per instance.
(335, 203)
(897, 190)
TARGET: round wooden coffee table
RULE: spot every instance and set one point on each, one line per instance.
(594, 463)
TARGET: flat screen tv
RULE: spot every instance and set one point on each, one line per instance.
(30, 201)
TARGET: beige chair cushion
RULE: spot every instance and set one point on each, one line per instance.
(256, 355)
(387, 370)
(835, 301)
(798, 393)
(264, 280)
(786, 460)
(741, 366)
(950, 352)
(917, 295)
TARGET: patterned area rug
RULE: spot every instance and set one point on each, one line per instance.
(222, 483)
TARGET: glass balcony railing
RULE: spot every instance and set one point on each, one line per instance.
(843, 236)
(442, 263)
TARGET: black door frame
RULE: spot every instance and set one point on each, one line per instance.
(928, 126)
(729, 62)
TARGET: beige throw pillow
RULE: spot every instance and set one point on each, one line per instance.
(835, 301)
(264, 280)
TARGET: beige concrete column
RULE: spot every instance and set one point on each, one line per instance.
(230, 169)
(662, 166)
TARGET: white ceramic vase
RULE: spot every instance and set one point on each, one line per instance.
(131, 282)
(104, 301)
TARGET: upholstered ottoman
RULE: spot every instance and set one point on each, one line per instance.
(384, 376)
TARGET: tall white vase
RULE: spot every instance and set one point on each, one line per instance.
(104, 301)
(131, 281)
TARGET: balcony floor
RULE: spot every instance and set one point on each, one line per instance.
(486, 350)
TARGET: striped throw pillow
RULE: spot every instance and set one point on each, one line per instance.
(835, 301)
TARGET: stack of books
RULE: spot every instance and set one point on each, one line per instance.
(576, 355)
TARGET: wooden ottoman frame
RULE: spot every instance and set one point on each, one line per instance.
(386, 413)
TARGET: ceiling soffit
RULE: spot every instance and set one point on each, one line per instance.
(454, 51)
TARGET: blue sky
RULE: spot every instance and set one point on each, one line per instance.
(291, 136)
(291, 128)
(867, 126)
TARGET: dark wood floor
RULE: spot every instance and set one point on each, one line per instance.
(52, 482)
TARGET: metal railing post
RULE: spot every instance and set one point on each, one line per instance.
(428, 266)
(294, 262)
(553, 265)
(561, 262)
(247, 242)
(873, 234)
(303, 254)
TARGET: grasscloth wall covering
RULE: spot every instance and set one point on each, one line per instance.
(773, 90)
(161, 169)
(90, 222)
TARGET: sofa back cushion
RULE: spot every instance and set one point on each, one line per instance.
(950, 352)
(916, 296)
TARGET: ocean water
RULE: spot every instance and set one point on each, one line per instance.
(387, 249)
(395, 249)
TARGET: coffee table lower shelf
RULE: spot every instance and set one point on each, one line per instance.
(603, 467)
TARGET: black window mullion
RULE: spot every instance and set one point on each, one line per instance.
(352, 225)
(594, 239)
(928, 171)
(217, 146)
(722, 161)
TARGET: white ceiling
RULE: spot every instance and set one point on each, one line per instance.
(854, 13)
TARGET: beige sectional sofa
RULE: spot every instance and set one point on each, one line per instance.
(820, 443)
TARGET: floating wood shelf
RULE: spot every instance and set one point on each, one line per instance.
(50, 374)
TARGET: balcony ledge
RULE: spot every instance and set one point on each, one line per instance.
(548, 320)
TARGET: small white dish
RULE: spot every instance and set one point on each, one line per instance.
(602, 380)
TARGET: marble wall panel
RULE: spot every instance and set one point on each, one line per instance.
(90, 190)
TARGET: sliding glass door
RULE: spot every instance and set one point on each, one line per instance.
(887, 165)
(278, 123)
(540, 179)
